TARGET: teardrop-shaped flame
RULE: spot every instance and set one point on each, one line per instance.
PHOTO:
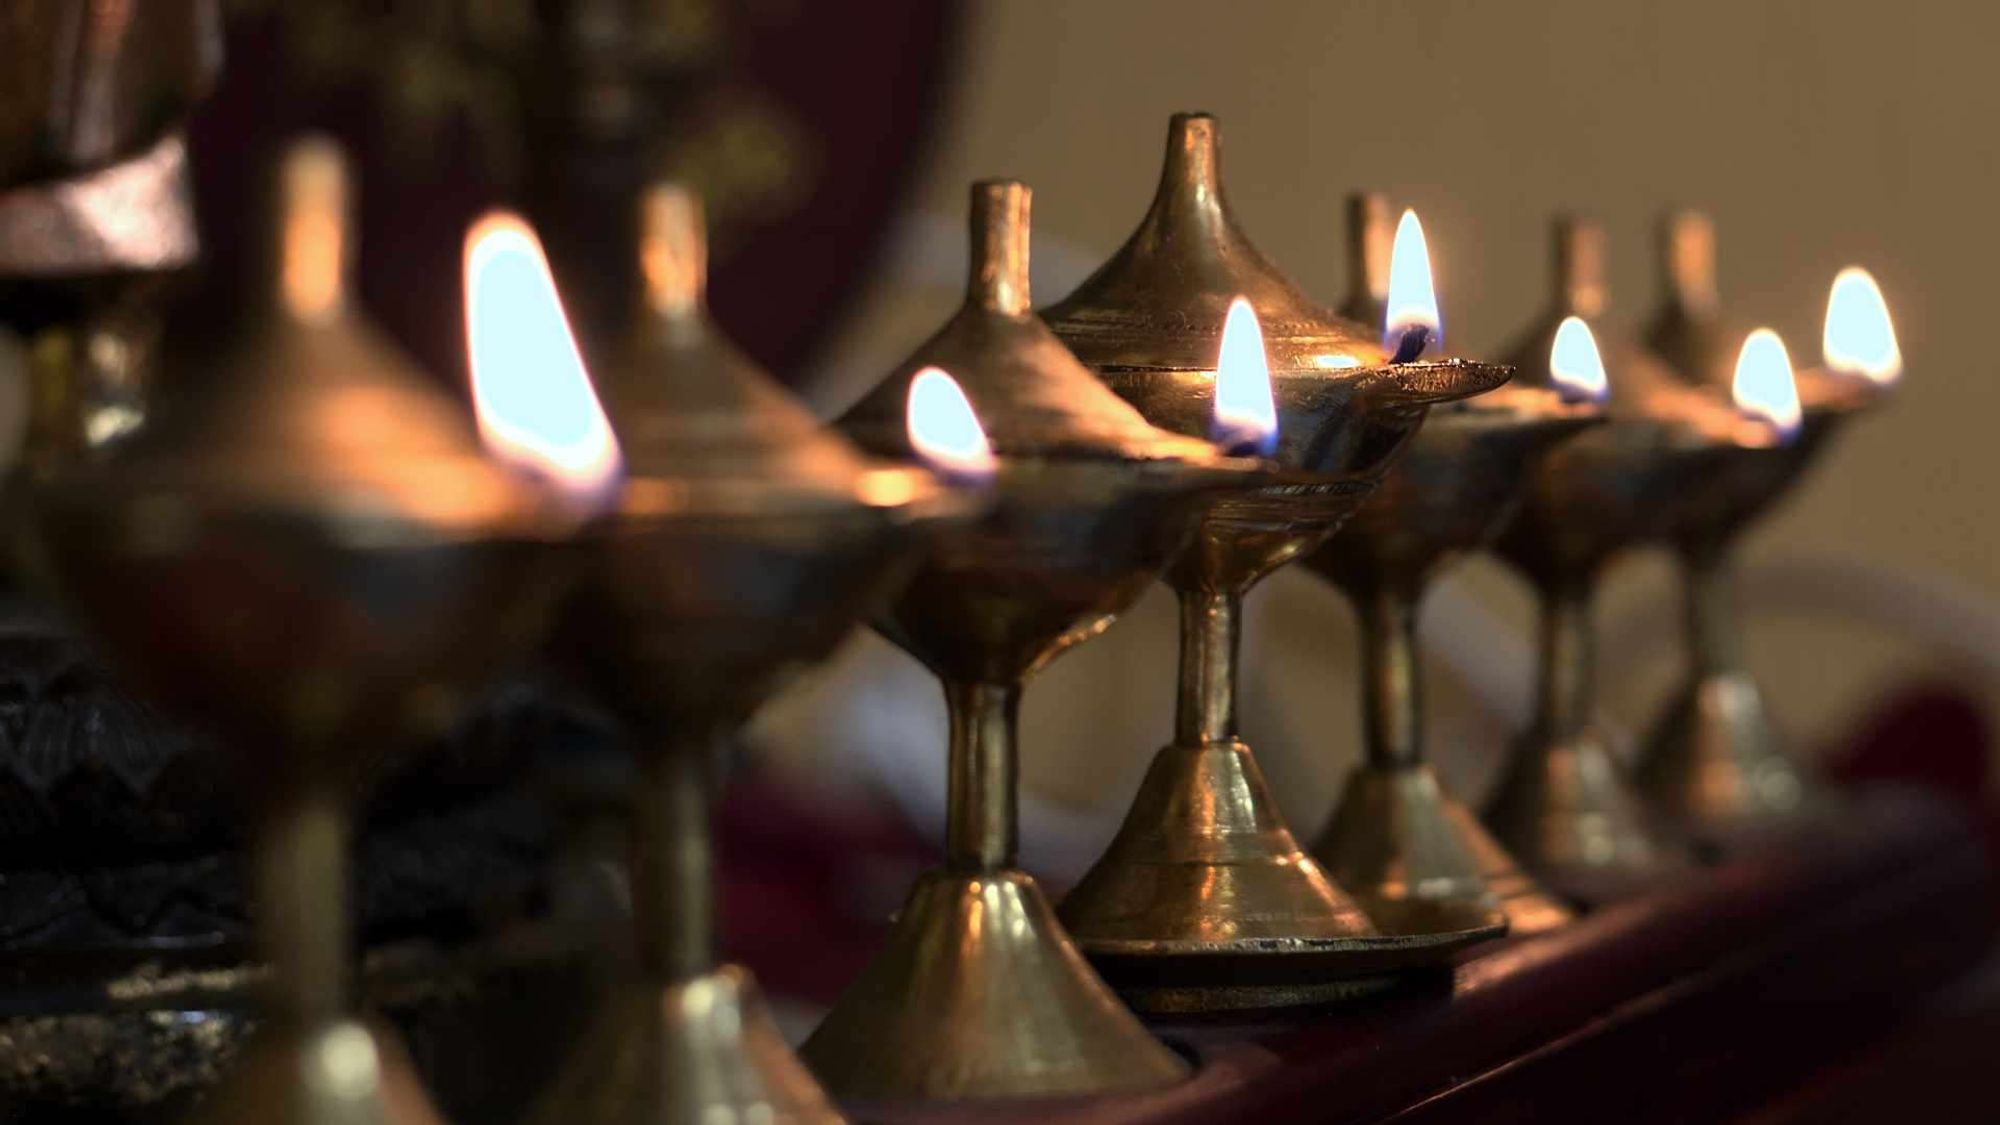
(1413, 302)
(1246, 414)
(1575, 363)
(1860, 337)
(1764, 386)
(533, 397)
(942, 426)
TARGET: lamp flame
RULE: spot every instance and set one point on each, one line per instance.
(1413, 303)
(1763, 384)
(1246, 414)
(1575, 363)
(942, 425)
(1860, 337)
(532, 395)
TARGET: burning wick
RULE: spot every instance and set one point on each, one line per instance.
(943, 428)
(1412, 323)
(533, 397)
(1414, 340)
(1763, 385)
(1575, 364)
(1246, 414)
(1860, 338)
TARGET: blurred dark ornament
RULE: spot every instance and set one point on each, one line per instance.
(88, 82)
(124, 979)
(566, 108)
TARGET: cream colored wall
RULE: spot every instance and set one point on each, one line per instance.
(1817, 133)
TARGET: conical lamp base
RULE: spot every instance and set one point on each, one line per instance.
(1716, 767)
(1417, 860)
(980, 994)
(344, 1073)
(696, 1052)
(1203, 858)
(1568, 813)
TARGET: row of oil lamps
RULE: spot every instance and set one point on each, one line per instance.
(311, 553)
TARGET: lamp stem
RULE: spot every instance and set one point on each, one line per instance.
(673, 867)
(982, 826)
(1715, 643)
(1569, 656)
(1000, 247)
(1392, 701)
(1211, 630)
(301, 905)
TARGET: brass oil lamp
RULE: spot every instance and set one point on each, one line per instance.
(746, 542)
(1412, 854)
(1204, 898)
(307, 552)
(1564, 806)
(979, 991)
(1714, 761)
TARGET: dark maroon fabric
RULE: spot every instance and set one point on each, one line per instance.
(808, 884)
(862, 87)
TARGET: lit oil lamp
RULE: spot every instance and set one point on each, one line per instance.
(1564, 806)
(1204, 898)
(979, 992)
(1413, 856)
(1714, 761)
(745, 542)
(308, 553)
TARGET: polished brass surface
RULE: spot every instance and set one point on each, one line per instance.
(307, 554)
(746, 542)
(342, 1073)
(1714, 761)
(1407, 850)
(980, 993)
(702, 1040)
(1564, 806)
(1404, 847)
(1204, 867)
(1033, 398)
(1417, 859)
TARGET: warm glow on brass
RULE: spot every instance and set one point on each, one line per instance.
(312, 268)
(675, 268)
(1412, 294)
(1860, 336)
(1399, 841)
(1763, 384)
(978, 992)
(747, 540)
(943, 429)
(1575, 365)
(307, 554)
(533, 398)
(1563, 806)
(1204, 899)
(1245, 412)
(1714, 762)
